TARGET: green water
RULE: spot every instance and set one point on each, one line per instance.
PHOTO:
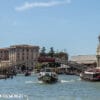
(68, 88)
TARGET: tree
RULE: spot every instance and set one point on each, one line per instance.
(63, 55)
(43, 53)
(51, 52)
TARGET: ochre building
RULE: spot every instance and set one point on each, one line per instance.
(4, 54)
(19, 55)
(23, 55)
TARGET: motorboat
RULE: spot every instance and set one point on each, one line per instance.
(48, 76)
(27, 73)
(91, 75)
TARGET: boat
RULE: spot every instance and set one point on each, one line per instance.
(91, 75)
(27, 73)
(3, 76)
(48, 76)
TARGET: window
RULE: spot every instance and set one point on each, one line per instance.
(23, 50)
(27, 57)
(23, 53)
(27, 50)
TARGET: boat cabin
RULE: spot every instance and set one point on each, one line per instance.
(92, 75)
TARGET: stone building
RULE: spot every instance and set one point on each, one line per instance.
(4, 54)
(4, 64)
(23, 55)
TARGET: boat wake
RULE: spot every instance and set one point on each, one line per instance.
(70, 81)
(40, 82)
(79, 79)
(33, 82)
(67, 81)
(60, 81)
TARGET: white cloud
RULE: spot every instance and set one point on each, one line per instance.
(28, 5)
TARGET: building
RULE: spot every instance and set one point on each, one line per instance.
(98, 54)
(4, 54)
(23, 55)
(4, 64)
(88, 60)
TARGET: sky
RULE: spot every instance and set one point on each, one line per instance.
(67, 25)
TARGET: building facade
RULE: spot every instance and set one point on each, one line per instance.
(26, 55)
(4, 54)
(98, 54)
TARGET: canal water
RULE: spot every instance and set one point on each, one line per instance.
(29, 88)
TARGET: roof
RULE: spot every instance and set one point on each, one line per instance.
(4, 49)
(85, 59)
(23, 46)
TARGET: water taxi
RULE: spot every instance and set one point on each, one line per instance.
(47, 76)
(91, 75)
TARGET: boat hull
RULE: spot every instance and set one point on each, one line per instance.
(88, 76)
(48, 79)
(90, 79)
(27, 74)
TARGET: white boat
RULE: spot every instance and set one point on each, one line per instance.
(47, 76)
(91, 75)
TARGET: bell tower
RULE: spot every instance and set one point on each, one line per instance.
(98, 53)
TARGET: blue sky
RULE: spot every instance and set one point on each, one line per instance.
(71, 25)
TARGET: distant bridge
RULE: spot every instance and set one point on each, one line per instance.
(74, 65)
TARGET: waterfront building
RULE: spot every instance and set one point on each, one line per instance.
(4, 54)
(87, 60)
(4, 58)
(4, 64)
(23, 55)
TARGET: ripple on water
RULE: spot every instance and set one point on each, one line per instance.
(68, 88)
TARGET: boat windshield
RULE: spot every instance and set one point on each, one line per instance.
(48, 70)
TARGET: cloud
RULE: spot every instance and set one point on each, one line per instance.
(28, 5)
